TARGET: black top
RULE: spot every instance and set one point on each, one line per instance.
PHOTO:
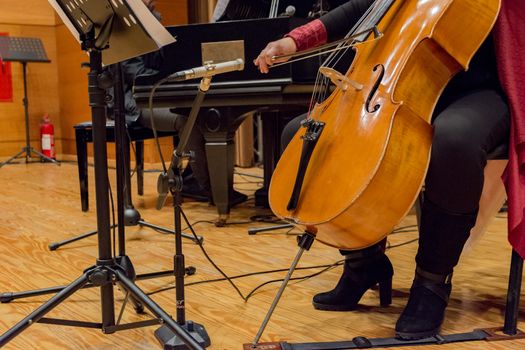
(147, 64)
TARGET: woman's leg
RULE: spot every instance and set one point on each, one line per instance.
(362, 269)
(464, 133)
(290, 130)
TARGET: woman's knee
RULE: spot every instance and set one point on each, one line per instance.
(454, 141)
(290, 130)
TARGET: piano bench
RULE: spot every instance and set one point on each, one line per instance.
(137, 134)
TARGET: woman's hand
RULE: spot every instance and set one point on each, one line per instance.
(280, 47)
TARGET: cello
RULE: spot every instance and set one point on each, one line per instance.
(377, 121)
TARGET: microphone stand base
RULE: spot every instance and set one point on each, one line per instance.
(170, 341)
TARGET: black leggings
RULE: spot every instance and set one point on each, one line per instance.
(465, 132)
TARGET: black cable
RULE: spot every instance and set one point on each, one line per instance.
(207, 222)
(268, 219)
(389, 246)
(153, 127)
(230, 279)
(113, 219)
(249, 175)
(301, 278)
(249, 181)
(249, 274)
(208, 257)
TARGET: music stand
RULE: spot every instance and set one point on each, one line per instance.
(121, 30)
(24, 50)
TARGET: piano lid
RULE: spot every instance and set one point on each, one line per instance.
(186, 52)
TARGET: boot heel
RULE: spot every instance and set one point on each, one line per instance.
(385, 292)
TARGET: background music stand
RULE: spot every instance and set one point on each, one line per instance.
(24, 50)
(124, 25)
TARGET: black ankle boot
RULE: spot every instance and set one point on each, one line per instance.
(426, 305)
(362, 270)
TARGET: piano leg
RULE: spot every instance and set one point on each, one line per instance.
(220, 153)
(218, 127)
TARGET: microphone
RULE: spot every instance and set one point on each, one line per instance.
(288, 12)
(207, 70)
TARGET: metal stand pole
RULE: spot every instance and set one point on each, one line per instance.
(513, 295)
(304, 242)
(254, 231)
(166, 337)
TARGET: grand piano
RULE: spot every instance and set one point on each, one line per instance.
(283, 93)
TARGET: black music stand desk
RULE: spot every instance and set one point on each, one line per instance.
(24, 50)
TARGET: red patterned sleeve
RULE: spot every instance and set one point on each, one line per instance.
(309, 35)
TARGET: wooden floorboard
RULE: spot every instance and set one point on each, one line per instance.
(39, 204)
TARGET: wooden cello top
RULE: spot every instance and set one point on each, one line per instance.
(370, 160)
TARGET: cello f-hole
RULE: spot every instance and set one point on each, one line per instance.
(374, 89)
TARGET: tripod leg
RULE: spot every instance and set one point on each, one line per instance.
(157, 310)
(43, 156)
(305, 242)
(165, 230)
(44, 309)
(253, 231)
(56, 245)
(13, 157)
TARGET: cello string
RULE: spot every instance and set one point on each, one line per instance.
(274, 7)
(322, 84)
(370, 18)
(336, 56)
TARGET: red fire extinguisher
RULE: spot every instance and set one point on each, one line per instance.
(47, 135)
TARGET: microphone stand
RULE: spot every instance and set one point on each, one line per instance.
(172, 181)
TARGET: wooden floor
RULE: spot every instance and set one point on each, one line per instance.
(39, 204)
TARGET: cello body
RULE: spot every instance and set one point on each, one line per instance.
(370, 161)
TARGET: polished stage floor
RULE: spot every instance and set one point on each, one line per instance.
(39, 204)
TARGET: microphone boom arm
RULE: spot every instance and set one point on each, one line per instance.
(171, 179)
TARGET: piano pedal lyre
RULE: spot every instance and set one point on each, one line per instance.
(340, 80)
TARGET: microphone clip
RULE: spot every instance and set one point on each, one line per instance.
(171, 181)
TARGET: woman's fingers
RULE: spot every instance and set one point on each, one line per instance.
(264, 60)
(280, 47)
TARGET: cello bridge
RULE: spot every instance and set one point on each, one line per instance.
(340, 80)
